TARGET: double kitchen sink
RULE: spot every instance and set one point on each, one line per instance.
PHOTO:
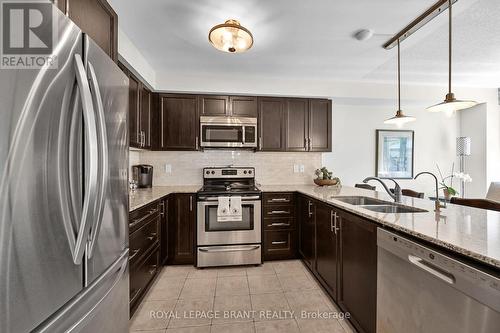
(379, 206)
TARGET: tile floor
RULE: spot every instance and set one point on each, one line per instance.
(278, 296)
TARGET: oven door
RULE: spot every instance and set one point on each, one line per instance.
(212, 232)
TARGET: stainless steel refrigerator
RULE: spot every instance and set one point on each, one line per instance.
(63, 192)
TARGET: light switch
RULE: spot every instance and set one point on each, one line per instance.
(296, 168)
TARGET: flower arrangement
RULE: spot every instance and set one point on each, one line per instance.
(449, 190)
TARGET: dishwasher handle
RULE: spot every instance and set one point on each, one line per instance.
(430, 268)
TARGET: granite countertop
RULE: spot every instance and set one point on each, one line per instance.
(142, 196)
(469, 231)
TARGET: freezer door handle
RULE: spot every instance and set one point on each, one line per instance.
(103, 157)
(77, 244)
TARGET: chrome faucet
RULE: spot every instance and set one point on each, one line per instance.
(397, 189)
(437, 203)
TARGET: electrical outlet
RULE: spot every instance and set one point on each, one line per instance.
(301, 168)
(168, 168)
(296, 168)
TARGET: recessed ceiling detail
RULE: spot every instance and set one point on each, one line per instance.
(230, 37)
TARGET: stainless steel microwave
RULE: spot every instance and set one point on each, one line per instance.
(228, 132)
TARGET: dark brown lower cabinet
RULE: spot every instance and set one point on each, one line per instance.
(182, 211)
(327, 247)
(307, 230)
(164, 219)
(141, 276)
(358, 271)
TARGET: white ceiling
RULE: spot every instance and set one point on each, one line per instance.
(313, 39)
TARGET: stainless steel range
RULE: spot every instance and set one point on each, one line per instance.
(229, 218)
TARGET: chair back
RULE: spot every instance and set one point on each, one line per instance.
(494, 192)
(366, 186)
(477, 203)
(411, 193)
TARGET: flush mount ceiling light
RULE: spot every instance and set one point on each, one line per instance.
(399, 119)
(230, 37)
(450, 103)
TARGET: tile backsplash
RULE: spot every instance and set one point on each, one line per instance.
(186, 167)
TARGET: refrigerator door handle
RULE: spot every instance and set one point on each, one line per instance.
(103, 175)
(89, 202)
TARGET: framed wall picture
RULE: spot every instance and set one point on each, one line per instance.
(394, 157)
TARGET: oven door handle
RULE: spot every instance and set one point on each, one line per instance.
(243, 199)
(232, 249)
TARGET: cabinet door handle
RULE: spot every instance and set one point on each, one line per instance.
(134, 254)
(309, 140)
(279, 224)
(278, 243)
(260, 143)
(196, 144)
(273, 212)
(153, 236)
(335, 228)
(279, 200)
(309, 208)
(332, 228)
(190, 203)
(162, 210)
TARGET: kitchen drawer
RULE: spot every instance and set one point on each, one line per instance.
(279, 223)
(277, 198)
(140, 216)
(141, 277)
(144, 239)
(279, 244)
(279, 211)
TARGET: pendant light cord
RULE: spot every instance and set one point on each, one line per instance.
(450, 2)
(399, 78)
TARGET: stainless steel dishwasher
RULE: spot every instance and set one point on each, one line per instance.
(422, 290)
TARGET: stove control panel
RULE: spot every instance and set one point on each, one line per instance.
(229, 172)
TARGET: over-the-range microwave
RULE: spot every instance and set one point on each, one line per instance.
(228, 132)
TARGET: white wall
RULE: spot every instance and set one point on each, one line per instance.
(129, 54)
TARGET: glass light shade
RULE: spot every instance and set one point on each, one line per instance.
(230, 37)
(451, 104)
(399, 119)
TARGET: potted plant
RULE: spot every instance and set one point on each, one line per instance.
(325, 177)
(448, 189)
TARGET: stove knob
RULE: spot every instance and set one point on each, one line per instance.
(249, 171)
(213, 172)
(208, 172)
(245, 172)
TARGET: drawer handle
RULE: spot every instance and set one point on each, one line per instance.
(279, 243)
(238, 249)
(136, 222)
(153, 236)
(134, 253)
(153, 269)
(279, 200)
(279, 224)
(273, 212)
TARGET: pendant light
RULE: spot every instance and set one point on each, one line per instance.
(450, 103)
(399, 119)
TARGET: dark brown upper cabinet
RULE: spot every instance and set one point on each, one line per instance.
(97, 19)
(271, 125)
(320, 125)
(211, 105)
(179, 122)
(296, 124)
(146, 110)
(134, 111)
(243, 106)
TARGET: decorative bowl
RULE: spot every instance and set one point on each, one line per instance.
(326, 182)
